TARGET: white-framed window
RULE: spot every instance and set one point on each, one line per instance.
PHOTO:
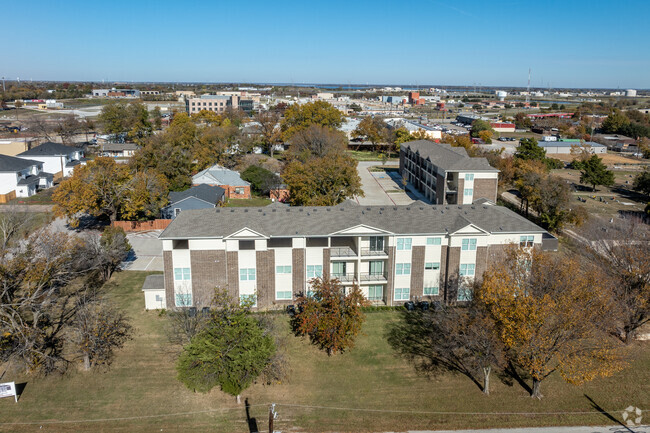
(469, 244)
(469, 176)
(467, 269)
(182, 274)
(433, 241)
(403, 269)
(431, 291)
(183, 299)
(239, 191)
(314, 271)
(432, 266)
(375, 293)
(283, 269)
(464, 294)
(468, 192)
(177, 210)
(252, 298)
(404, 243)
(402, 294)
(526, 241)
(247, 274)
(283, 294)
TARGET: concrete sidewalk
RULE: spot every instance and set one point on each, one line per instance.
(579, 429)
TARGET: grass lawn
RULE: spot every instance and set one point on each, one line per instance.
(42, 197)
(366, 155)
(366, 389)
(245, 202)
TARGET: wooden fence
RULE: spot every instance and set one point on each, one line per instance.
(141, 226)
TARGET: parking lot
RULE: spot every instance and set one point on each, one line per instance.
(384, 187)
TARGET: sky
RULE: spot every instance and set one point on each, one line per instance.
(568, 43)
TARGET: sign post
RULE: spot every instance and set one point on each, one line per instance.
(8, 389)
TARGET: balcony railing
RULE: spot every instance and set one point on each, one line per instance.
(452, 187)
(342, 252)
(373, 252)
(373, 277)
(345, 278)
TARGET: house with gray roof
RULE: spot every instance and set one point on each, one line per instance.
(229, 180)
(393, 253)
(20, 177)
(197, 197)
(446, 174)
(119, 150)
(57, 158)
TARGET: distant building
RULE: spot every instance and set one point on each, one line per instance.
(446, 174)
(119, 150)
(13, 147)
(468, 118)
(503, 126)
(149, 92)
(229, 180)
(564, 147)
(21, 177)
(220, 103)
(324, 95)
(115, 93)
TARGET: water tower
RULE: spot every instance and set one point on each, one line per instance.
(501, 95)
(630, 93)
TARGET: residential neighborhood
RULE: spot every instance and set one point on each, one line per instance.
(329, 222)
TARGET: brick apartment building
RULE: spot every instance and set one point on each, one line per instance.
(446, 174)
(394, 253)
(222, 101)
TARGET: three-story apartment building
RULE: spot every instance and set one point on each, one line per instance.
(393, 253)
(446, 174)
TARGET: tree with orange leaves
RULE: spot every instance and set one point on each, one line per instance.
(330, 317)
(548, 313)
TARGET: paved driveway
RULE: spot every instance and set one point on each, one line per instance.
(147, 252)
(384, 188)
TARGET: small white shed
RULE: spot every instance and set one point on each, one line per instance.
(154, 292)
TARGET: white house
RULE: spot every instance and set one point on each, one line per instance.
(20, 177)
(57, 158)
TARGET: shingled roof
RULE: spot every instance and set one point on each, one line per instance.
(447, 157)
(412, 219)
(208, 193)
(13, 164)
(49, 149)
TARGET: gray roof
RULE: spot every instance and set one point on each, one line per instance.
(211, 194)
(154, 282)
(412, 219)
(222, 176)
(569, 144)
(13, 164)
(49, 149)
(446, 157)
(28, 180)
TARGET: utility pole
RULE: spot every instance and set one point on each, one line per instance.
(3, 85)
(272, 415)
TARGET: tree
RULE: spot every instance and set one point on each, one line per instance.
(18, 104)
(486, 135)
(130, 118)
(325, 181)
(370, 129)
(67, 127)
(552, 202)
(642, 182)
(522, 121)
(261, 179)
(616, 122)
(317, 141)
(529, 149)
(548, 313)
(331, 318)
(98, 329)
(103, 188)
(480, 125)
(108, 250)
(298, 117)
(460, 340)
(269, 130)
(156, 116)
(231, 352)
(594, 173)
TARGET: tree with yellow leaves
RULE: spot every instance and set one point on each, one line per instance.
(548, 313)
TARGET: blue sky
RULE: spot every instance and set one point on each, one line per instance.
(569, 43)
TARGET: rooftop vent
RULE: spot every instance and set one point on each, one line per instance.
(259, 210)
(218, 210)
(245, 210)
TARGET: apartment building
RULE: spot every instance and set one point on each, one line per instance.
(395, 254)
(446, 174)
(222, 101)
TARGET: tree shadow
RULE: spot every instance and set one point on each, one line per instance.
(510, 371)
(252, 422)
(608, 415)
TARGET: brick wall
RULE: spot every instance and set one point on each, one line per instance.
(208, 272)
(451, 277)
(442, 285)
(390, 272)
(485, 188)
(326, 263)
(417, 271)
(265, 263)
(232, 273)
(298, 266)
(481, 262)
(169, 278)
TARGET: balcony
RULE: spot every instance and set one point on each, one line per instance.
(342, 252)
(366, 277)
(452, 187)
(369, 252)
(345, 278)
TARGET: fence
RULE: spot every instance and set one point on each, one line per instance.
(141, 226)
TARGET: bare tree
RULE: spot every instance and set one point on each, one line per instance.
(318, 141)
(12, 224)
(269, 130)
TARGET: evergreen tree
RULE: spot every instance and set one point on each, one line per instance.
(595, 173)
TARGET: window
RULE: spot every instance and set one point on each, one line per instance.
(404, 243)
(376, 243)
(182, 274)
(403, 268)
(469, 176)
(280, 243)
(177, 210)
(183, 299)
(247, 274)
(376, 267)
(469, 244)
(284, 294)
(402, 294)
(339, 268)
(469, 192)
(181, 244)
(526, 241)
(314, 271)
(435, 266)
(246, 245)
(464, 294)
(467, 270)
(375, 293)
(283, 269)
(239, 191)
(431, 291)
(250, 299)
(433, 241)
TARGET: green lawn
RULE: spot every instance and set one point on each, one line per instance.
(366, 389)
(245, 202)
(42, 197)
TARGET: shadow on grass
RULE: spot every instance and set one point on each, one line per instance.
(252, 422)
(608, 415)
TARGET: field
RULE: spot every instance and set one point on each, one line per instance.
(609, 159)
(365, 389)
